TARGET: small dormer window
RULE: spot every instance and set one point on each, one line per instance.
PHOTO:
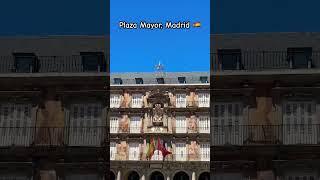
(92, 61)
(160, 80)
(182, 80)
(117, 81)
(204, 79)
(300, 57)
(25, 62)
(139, 81)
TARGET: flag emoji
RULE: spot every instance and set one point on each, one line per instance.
(197, 24)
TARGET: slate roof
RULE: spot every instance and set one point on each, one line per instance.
(151, 78)
(275, 41)
(52, 45)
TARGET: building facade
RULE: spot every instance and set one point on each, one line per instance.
(265, 106)
(53, 108)
(169, 110)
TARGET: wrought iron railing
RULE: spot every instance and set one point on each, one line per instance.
(47, 64)
(53, 136)
(176, 130)
(293, 134)
(170, 157)
(263, 60)
(186, 104)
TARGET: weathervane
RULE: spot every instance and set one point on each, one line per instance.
(159, 68)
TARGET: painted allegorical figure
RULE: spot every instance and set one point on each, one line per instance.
(193, 151)
(124, 124)
(126, 100)
(192, 124)
(122, 150)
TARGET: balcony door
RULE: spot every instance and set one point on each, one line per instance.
(299, 123)
(227, 124)
(15, 124)
(85, 125)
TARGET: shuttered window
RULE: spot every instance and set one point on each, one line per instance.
(204, 99)
(181, 101)
(227, 123)
(134, 151)
(15, 124)
(85, 124)
(114, 124)
(181, 124)
(115, 100)
(135, 124)
(298, 122)
(181, 152)
(137, 100)
(204, 124)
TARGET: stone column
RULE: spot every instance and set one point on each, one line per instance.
(168, 177)
(119, 175)
(193, 176)
(143, 177)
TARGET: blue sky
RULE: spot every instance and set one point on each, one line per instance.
(245, 16)
(53, 17)
(177, 50)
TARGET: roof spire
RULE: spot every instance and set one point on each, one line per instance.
(159, 68)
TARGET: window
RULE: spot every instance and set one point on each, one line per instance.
(181, 100)
(298, 122)
(157, 156)
(227, 121)
(160, 80)
(300, 57)
(181, 124)
(134, 151)
(182, 80)
(114, 124)
(117, 81)
(85, 124)
(115, 100)
(230, 59)
(137, 100)
(113, 150)
(25, 62)
(92, 61)
(204, 124)
(135, 124)
(205, 152)
(15, 123)
(204, 99)
(204, 79)
(181, 152)
(139, 81)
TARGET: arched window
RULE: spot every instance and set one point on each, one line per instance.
(204, 176)
(133, 176)
(181, 176)
(156, 176)
(112, 176)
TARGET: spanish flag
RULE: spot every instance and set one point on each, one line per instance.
(151, 148)
(197, 24)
